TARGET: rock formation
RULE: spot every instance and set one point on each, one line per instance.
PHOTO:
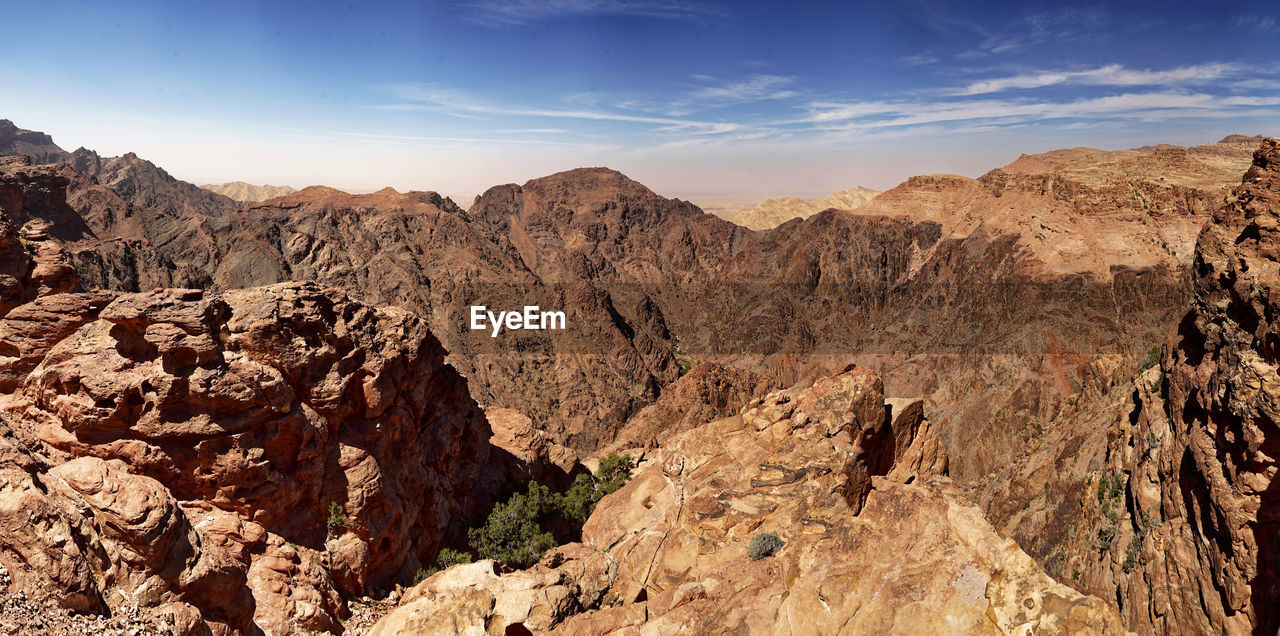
(37, 145)
(242, 192)
(873, 540)
(250, 458)
(31, 264)
(709, 391)
(1054, 275)
(147, 186)
(1187, 506)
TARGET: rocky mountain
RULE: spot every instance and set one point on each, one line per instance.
(1140, 490)
(37, 145)
(242, 192)
(771, 213)
(146, 186)
(644, 275)
(1190, 502)
(231, 462)
(242, 460)
(1054, 276)
(870, 538)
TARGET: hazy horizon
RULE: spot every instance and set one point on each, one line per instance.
(707, 101)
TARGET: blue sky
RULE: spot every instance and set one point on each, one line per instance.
(704, 100)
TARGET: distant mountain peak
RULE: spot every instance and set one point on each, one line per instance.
(243, 192)
(37, 145)
(771, 213)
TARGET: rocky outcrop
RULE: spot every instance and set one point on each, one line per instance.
(1187, 498)
(873, 540)
(709, 391)
(36, 145)
(145, 185)
(533, 454)
(251, 457)
(31, 264)
(475, 598)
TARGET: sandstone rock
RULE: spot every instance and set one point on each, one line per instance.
(890, 557)
(36, 145)
(536, 455)
(771, 213)
(1195, 543)
(473, 598)
(242, 192)
(709, 391)
(196, 449)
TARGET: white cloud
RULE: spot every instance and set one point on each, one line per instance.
(1070, 23)
(521, 12)
(454, 102)
(921, 59)
(1254, 22)
(860, 117)
(753, 88)
(1111, 75)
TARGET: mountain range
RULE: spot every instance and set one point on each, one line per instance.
(242, 192)
(1019, 310)
(771, 213)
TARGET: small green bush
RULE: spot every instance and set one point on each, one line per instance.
(513, 533)
(519, 530)
(1131, 553)
(449, 557)
(763, 545)
(1153, 358)
(1105, 537)
(577, 503)
(337, 519)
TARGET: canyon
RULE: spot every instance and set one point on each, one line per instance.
(237, 415)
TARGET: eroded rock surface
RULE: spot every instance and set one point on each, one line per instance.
(253, 456)
(1189, 502)
(875, 540)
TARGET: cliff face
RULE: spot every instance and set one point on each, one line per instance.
(181, 448)
(37, 145)
(1190, 503)
(1039, 267)
(236, 462)
(872, 540)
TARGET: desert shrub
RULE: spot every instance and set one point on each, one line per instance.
(444, 559)
(519, 530)
(1131, 553)
(514, 533)
(337, 521)
(763, 545)
(450, 557)
(613, 472)
(577, 503)
(1105, 536)
(1153, 358)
